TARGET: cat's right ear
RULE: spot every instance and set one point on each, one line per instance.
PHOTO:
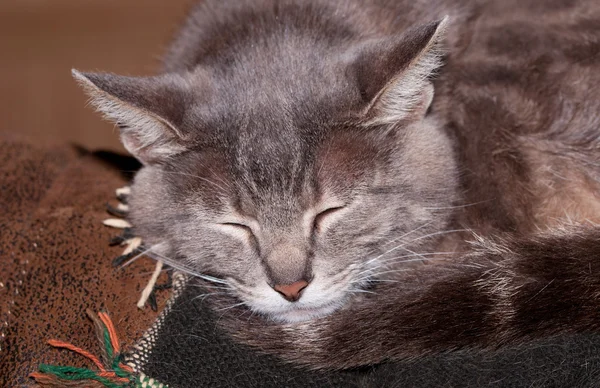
(393, 74)
(148, 111)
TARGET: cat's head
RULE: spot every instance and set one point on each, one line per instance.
(297, 177)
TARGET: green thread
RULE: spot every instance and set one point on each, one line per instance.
(113, 364)
(116, 367)
(72, 373)
(107, 344)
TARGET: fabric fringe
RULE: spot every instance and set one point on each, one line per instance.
(111, 372)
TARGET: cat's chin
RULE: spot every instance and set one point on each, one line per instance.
(302, 314)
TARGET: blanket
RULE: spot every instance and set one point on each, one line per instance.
(53, 251)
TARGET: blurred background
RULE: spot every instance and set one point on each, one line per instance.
(41, 40)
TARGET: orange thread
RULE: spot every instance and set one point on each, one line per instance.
(60, 344)
(126, 368)
(113, 376)
(40, 376)
(111, 331)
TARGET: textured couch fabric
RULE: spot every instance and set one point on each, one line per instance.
(54, 257)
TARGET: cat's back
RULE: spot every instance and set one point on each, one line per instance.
(521, 99)
(215, 27)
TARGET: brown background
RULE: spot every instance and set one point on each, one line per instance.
(41, 40)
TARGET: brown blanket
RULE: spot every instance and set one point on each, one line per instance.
(55, 260)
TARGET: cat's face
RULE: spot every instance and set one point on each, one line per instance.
(295, 201)
(334, 216)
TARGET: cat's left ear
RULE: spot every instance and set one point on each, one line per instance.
(148, 110)
(393, 74)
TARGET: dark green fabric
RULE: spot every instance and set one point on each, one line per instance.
(192, 352)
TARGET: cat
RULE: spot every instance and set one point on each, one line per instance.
(362, 181)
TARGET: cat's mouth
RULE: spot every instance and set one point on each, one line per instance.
(295, 313)
(317, 301)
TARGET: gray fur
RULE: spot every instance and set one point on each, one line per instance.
(272, 134)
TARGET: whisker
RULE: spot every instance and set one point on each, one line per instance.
(204, 296)
(383, 281)
(388, 259)
(252, 313)
(384, 272)
(139, 255)
(362, 291)
(178, 266)
(457, 206)
(406, 243)
(408, 233)
(442, 232)
(232, 306)
(414, 253)
(221, 188)
(212, 287)
(421, 260)
(417, 239)
(372, 272)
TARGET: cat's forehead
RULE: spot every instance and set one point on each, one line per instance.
(273, 117)
(269, 142)
(273, 162)
(272, 86)
(276, 168)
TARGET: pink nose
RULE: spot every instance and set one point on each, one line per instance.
(292, 291)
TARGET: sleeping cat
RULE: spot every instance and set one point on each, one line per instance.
(359, 181)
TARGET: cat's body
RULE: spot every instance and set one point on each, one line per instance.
(293, 148)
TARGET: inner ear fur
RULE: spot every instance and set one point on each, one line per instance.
(393, 73)
(148, 111)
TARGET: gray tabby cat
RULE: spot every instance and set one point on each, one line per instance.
(374, 179)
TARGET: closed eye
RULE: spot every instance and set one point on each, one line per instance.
(321, 218)
(241, 231)
(241, 227)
